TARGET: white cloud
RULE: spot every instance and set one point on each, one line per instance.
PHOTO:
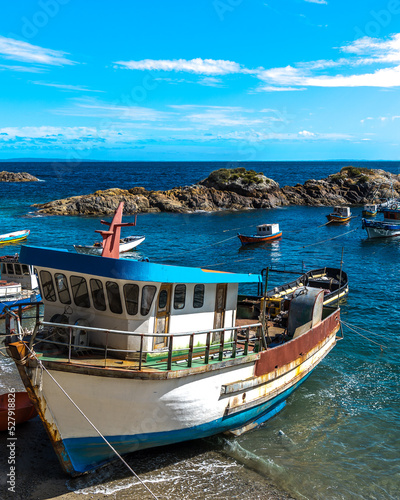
(306, 133)
(25, 52)
(93, 108)
(62, 86)
(198, 66)
(320, 2)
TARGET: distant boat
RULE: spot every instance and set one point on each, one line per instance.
(125, 245)
(392, 212)
(380, 229)
(370, 210)
(18, 284)
(20, 407)
(14, 237)
(340, 215)
(265, 232)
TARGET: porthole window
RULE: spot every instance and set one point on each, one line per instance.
(49, 292)
(114, 298)
(198, 296)
(99, 301)
(148, 292)
(80, 291)
(179, 296)
(131, 294)
(62, 288)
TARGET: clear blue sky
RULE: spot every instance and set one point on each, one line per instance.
(200, 80)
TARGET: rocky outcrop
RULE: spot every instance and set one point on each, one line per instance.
(236, 189)
(17, 177)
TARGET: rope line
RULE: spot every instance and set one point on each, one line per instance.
(92, 424)
(329, 239)
(361, 335)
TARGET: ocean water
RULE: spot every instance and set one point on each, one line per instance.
(338, 436)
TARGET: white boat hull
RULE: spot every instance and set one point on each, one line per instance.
(97, 250)
(140, 410)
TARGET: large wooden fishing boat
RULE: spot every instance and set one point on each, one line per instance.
(136, 354)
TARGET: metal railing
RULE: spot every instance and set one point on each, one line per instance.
(242, 339)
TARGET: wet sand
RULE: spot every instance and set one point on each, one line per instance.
(193, 470)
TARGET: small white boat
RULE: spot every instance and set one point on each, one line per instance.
(370, 210)
(125, 245)
(14, 237)
(340, 215)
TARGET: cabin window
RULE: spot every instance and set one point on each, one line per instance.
(162, 299)
(18, 270)
(131, 293)
(198, 296)
(25, 269)
(80, 291)
(3, 269)
(10, 269)
(49, 292)
(114, 298)
(62, 288)
(179, 296)
(148, 292)
(98, 298)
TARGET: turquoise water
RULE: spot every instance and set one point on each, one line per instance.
(340, 434)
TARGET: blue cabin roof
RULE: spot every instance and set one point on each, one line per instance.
(125, 269)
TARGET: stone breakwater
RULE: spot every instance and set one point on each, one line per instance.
(237, 189)
(17, 177)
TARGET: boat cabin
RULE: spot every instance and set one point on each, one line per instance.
(134, 296)
(267, 229)
(342, 211)
(370, 208)
(13, 271)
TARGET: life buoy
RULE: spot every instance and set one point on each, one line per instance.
(394, 206)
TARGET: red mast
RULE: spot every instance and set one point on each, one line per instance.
(112, 236)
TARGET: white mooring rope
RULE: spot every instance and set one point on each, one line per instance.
(92, 424)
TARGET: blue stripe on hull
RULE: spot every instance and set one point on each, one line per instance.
(25, 301)
(88, 453)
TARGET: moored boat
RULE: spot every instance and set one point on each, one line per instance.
(125, 245)
(265, 232)
(18, 284)
(15, 408)
(154, 354)
(340, 215)
(380, 229)
(370, 210)
(14, 237)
